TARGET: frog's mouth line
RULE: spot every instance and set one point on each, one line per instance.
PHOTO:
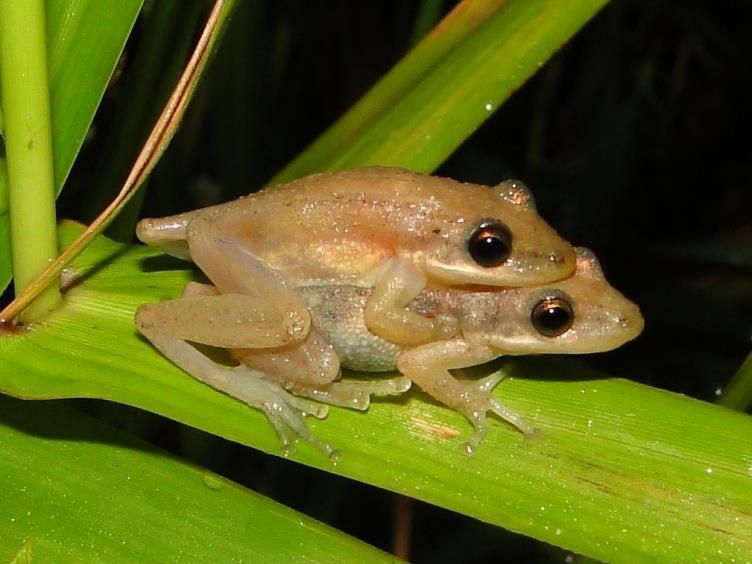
(568, 342)
(512, 273)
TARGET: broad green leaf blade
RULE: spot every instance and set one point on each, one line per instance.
(620, 471)
(100, 495)
(404, 76)
(738, 393)
(84, 42)
(420, 113)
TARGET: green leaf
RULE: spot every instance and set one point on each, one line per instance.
(620, 471)
(738, 393)
(84, 42)
(451, 83)
(75, 490)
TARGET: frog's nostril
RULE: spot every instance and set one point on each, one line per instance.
(556, 257)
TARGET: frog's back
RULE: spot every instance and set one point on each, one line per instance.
(340, 227)
(343, 225)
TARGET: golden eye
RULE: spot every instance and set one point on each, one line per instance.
(552, 316)
(490, 244)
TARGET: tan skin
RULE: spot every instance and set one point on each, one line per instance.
(581, 314)
(392, 231)
(387, 229)
(490, 323)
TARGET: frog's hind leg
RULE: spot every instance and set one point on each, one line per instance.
(355, 394)
(311, 369)
(220, 320)
(234, 269)
(284, 411)
(428, 366)
(204, 316)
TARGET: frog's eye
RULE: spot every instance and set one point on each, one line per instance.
(552, 316)
(490, 244)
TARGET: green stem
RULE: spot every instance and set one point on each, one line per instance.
(28, 145)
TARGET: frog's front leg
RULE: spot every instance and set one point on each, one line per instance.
(428, 366)
(387, 317)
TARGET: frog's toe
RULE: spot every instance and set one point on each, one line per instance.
(489, 382)
(479, 403)
(285, 412)
(353, 394)
(511, 417)
(484, 386)
(290, 425)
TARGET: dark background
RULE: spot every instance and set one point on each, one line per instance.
(634, 139)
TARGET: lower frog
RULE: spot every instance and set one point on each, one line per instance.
(580, 314)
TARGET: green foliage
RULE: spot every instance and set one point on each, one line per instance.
(605, 443)
(621, 471)
(75, 490)
(81, 58)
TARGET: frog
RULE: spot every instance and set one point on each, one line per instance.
(580, 314)
(388, 229)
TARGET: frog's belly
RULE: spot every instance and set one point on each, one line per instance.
(337, 312)
(369, 354)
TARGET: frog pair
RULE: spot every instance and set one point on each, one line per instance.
(373, 269)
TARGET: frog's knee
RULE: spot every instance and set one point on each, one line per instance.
(145, 318)
(326, 370)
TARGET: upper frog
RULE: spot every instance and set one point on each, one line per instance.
(389, 229)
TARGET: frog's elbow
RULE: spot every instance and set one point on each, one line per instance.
(167, 234)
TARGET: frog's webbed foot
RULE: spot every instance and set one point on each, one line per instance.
(479, 401)
(354, 394)
(428, 366)
(284, 411)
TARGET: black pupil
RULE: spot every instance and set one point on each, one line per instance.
(552, 317)
(490, 244)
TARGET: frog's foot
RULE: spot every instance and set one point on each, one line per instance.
(284, 411)
(354, 394)
(478, 401)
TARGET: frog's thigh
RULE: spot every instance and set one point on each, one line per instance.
(385, 313)
(224, 320)
(233, 268)
(284, 411)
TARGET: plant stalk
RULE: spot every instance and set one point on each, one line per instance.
(24, 95)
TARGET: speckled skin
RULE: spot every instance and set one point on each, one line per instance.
(389, 230)
(338, 228)
(499, 318)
